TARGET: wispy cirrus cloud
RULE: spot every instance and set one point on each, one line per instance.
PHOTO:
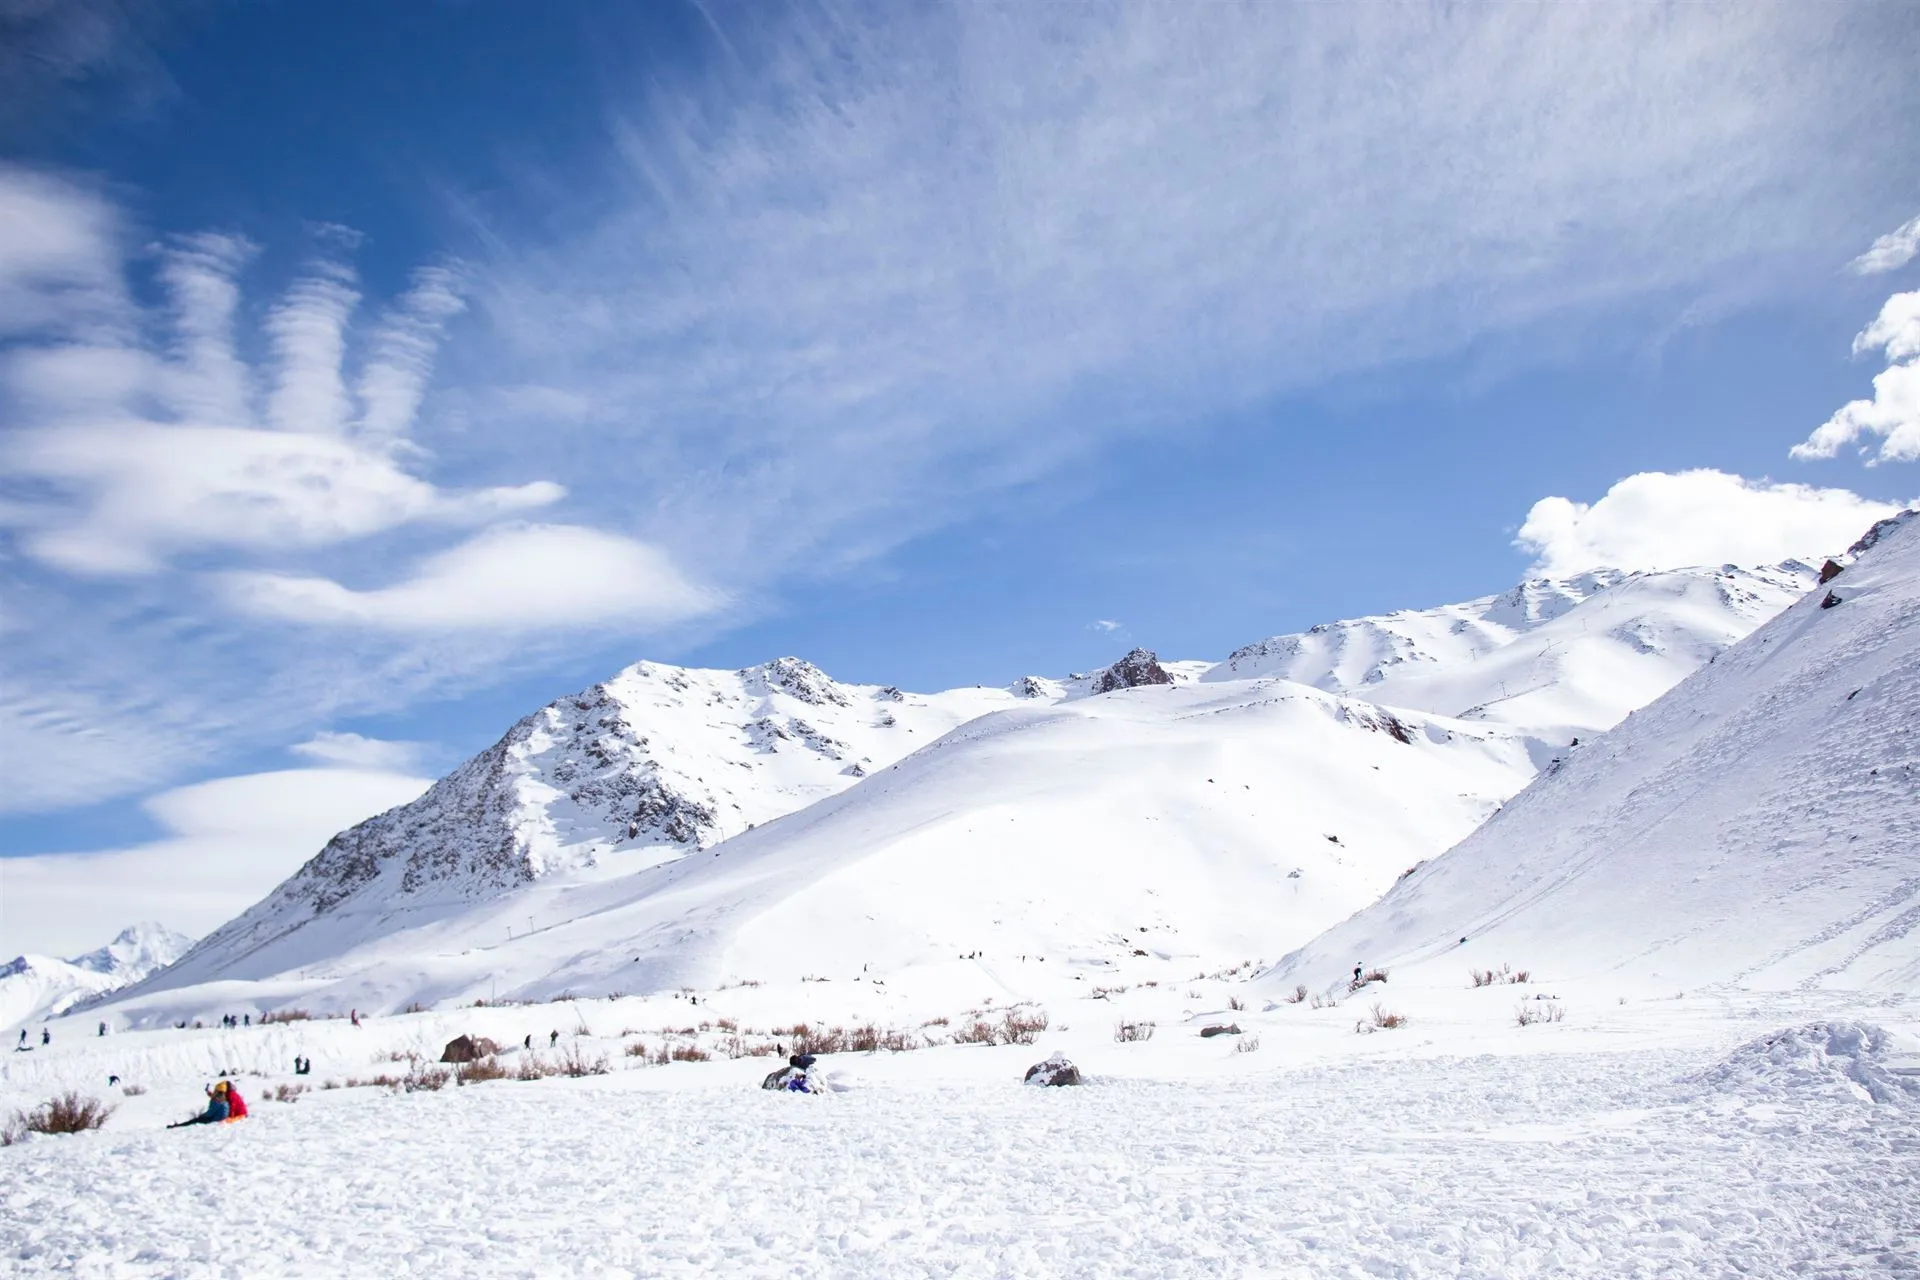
(883, 261)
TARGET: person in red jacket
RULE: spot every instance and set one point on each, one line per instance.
(236, 1105)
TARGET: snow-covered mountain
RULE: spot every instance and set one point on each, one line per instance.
(655, 763)
(1756, 827)
(35, 987)
(561, 830)
(1563, 657)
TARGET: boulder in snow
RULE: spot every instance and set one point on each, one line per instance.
(1056, 1070)
(1142, 666)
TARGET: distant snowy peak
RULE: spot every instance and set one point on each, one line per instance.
(1580, 651)
(36, 987)
(136, 951)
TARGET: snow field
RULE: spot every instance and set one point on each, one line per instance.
(1548, 1164)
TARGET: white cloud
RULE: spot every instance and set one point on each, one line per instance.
(1665, 520)
(1894, 412)
(513, 578)
(230, 841)
(352, 751)
(144, 448)
(1106, 626)
(152, 489)
(1891, 251)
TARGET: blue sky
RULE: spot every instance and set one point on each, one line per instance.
(376, 373)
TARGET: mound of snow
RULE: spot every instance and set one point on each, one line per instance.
(1753, 828)
(1821, 1059)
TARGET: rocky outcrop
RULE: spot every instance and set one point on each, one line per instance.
(1054, 1072)
(1142, 666)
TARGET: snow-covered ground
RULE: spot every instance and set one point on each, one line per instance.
(1646, 1138)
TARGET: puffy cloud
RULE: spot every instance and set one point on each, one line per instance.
(229, 841)
(1665, 520)
(509, 578)
(1891, 251)
(1894, 412)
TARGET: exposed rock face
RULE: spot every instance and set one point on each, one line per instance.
(460, 1049)
(1829, 571)
(1055, 1071)
(1142, 666)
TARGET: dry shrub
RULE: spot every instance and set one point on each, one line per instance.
(133, 1090)
(976, 1032)
(940, 1021)
(1017, 1027)
(71, 1112)
(1247, 1044)
(895, 1041)
(1318, 1003)
(741, 1047)
(576, 1064)
(415, 1007)
(729, 1025)
(1498, 977)
(1236, 1004)
(284, 1015)
(1299, 995)
(286, 1092)
(1538, 1010)
(689, 1053)
(426, 1077)
(330, 1084)
(1380, 1018)
(530, 1067)
(638, 1049)
(480, 1069)
(1132, 1032)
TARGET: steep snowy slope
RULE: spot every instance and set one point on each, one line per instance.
(654, 763)
(1757, 827)
(35, 987)
(1564, 657)
(1196, 820)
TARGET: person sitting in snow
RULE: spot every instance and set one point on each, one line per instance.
(217, 1110)
(236, 1105)
(792, 1078)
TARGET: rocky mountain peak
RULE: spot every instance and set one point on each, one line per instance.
(1141, 666)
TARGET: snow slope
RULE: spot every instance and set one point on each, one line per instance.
(1564, 657)
(37, 987)
(662, 762)
(1195, 820)
(1755, 828)
(654, 763)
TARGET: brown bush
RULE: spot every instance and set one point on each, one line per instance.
(1538, 1010)
(576, 1064)
(977, 1032)
(530, 1067)
(1132, 1032)
(1236, 1004)
(133, 1090)
(1299, 995)
(689, 1053)
(1380, 1018)
(1247, 1044)
(286, 1092)
(480, 1069)
(284, 1015)
(71, 1112)
(1498, 977)
(899, 1041)
(1017, 1027)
